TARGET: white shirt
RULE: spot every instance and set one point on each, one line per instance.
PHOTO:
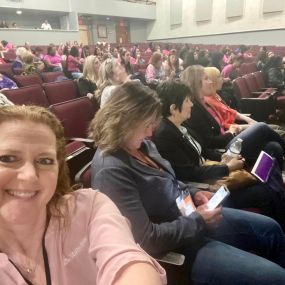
(46, 26)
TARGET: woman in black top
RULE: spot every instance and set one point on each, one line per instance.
(87, 83)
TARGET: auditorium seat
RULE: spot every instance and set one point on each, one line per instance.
(75, 116)
(9, 56)
(253, 85)
(57, 92)
(77, 159)
(28, 80)
(28, 95)
(259, 106)
(6, 68)
(51, 76)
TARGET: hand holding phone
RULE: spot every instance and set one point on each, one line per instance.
(218, 198)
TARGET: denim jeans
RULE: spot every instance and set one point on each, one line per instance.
(227, 255)
(260, 137)
(76, 75)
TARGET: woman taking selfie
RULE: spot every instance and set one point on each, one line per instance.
(128, 168)
(50, 235)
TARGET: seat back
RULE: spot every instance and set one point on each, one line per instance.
(251, 67)
(28, 95)
(51, 76)
(6, 68)
(243, 69)
(57, 92)
(241, 88)
(259, 79)
(9, 56)
(28, 80)
(75, 116)
(251, 83)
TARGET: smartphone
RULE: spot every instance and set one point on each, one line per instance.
(218, 198)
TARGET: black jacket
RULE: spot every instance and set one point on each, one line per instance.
(86, 86)
(176, 148)
(147, 197)
(207, 128)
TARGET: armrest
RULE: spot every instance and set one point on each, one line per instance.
(198, 185)
(172, 258)
(87, 142)
(79, 174)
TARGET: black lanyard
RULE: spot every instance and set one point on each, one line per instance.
(46, 264)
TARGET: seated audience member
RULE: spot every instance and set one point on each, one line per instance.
(182, 148)
(203, 58)
(73, 63)
(273, 72)
(231, 70)
(191, 58)
(261, 59)
(85, 51)
(87, 83)
(171, 65)
(7, 83)
(207, 123)
(65, 52)
(125, 58)
(3, 24)
(29, 66)
(46, 25)
(227, 115)
(49, 233)
(52, 59)
(111, 74)
(7, 46)
(154, 72)
(18, 64)
(137, 59)
(128, 168)
(227, 55)
(217, 60)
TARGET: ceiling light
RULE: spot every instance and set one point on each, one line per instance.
(19, 12)
(107, 18)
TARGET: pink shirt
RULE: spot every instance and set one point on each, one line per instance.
(227, 70)
(94, 247)
(72, 64)
(55, 59)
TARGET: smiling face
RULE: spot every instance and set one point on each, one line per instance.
(28, 170)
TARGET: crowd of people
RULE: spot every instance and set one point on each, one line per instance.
(154, 133)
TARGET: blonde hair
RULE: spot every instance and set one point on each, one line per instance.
(27, 57)
(131, 105)
(20, 52)
(89, 70)
(43, 116)
(213, 73)
(106, 74)
(192, 76)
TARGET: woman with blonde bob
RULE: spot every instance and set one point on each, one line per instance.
(87, 83)
(49, 234)
(227, 115)
(128, 168)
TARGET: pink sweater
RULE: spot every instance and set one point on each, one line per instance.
(92, 250)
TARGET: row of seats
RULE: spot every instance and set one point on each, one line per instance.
(44, 94)
(255, 98)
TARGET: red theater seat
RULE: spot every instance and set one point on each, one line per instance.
(28, 80)
(6, 68)
(29, 95)
(51, 76)
(260, 105)
(75, 116)
(57, 92)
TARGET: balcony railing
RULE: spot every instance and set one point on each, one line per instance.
(147, 2)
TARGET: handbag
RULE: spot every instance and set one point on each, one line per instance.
(235, 180)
